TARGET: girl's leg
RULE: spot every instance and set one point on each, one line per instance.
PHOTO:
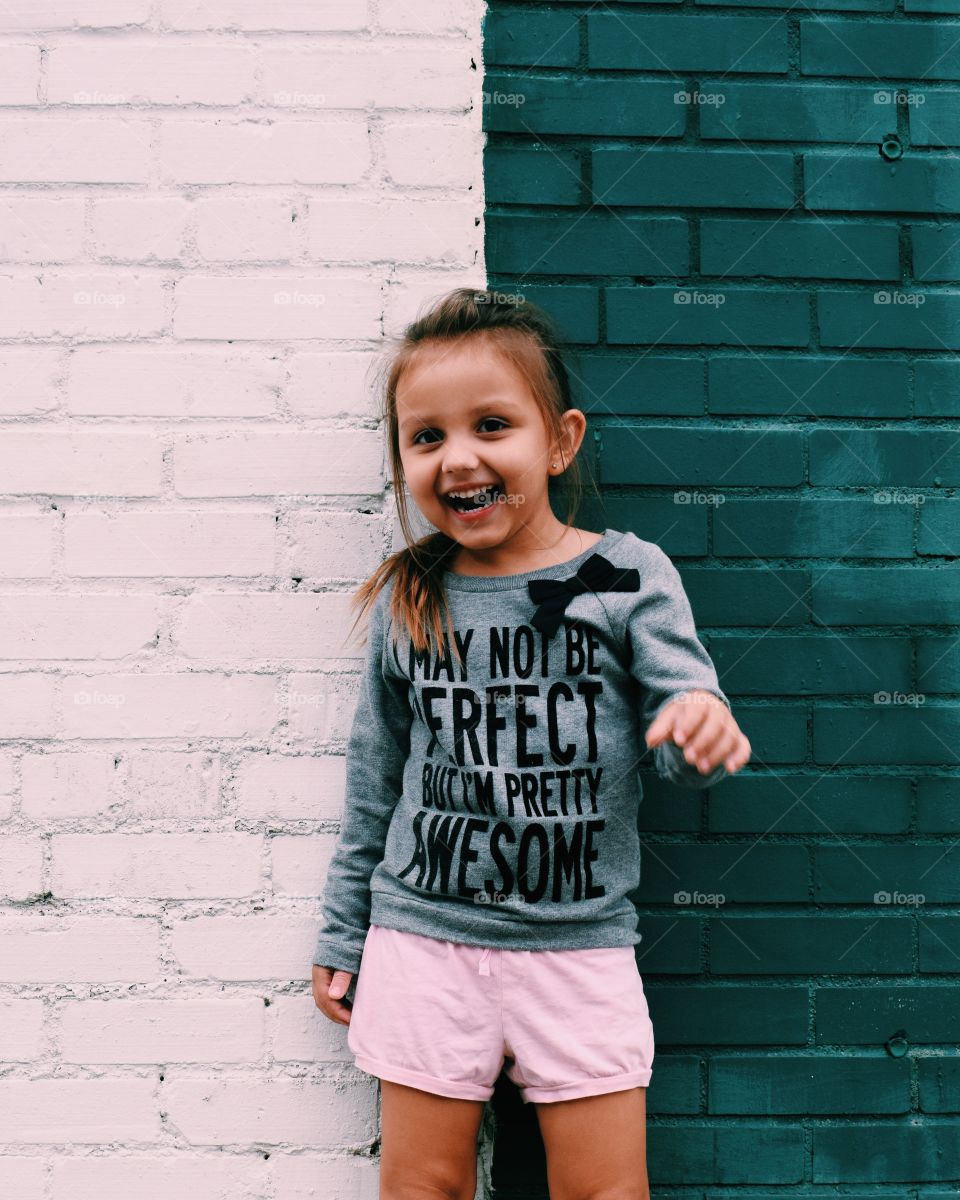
(596, 1146)
(428, 1144)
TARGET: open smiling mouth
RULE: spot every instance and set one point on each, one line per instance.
(476, 502)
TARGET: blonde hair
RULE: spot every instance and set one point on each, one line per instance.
(527, 337)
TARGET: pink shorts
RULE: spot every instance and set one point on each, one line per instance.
(444, 1016)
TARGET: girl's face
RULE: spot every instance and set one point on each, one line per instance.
(468, 422)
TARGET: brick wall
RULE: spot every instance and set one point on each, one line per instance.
(210, 214)
(746, 218)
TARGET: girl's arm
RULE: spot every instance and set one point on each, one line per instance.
(377, 750)
(669, 660)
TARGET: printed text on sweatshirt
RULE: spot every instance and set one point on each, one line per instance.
(498, 804)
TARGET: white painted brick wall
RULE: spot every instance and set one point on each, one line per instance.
(213, 211)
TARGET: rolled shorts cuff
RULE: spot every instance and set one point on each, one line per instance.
(587, 1087)
(460, 1090)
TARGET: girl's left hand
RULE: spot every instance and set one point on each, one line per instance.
(701, 723)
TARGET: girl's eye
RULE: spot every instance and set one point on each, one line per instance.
(498, 420)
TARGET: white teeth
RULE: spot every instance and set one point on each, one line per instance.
(471, 495)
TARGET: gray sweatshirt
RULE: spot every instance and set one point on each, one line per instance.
(498, 805)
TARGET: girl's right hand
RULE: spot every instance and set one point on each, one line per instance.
(328, 988)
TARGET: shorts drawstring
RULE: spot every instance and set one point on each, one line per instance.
(484, 965)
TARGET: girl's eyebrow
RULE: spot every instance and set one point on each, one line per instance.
(483, 406)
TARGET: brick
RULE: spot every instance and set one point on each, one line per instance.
(825, 385)
(145, 544)
(936, 252)
(26, 705)
(329, 384)
(291, 786)
(938, 532)
(21, 868)
(939, 1086)
(574, 307)
(138, 229)
(534, 175)
(696, 42)
(654, 385)
(322, 1112)
(935, 122)
(66, 627)
(21, 1032)
(162, 1031)
(939, 950)
(63, 949)
(58, 786)
(175, 381)
(164, 865)
(263, 626)
(281, 463)
(936, 388)
(194, 704)
(696, 1153)
(61, 149)
(679, 455)
(782, 112)
(821, 527)
(885, 1153)
(938, 666)
(630, 108)
(152, 1177)
(878, 874)
(805, 250)
(92, 305)
(81, 463)
(812, 804)
(878, 49)
(776, 595)
(82, 1111)
(886, 733)
(429, 151)
(809, 666)
(53, 14)
(693, 178)
(287, 15)
(41, 229)
(439, 15)
(849, 5)
(149, 71)
(392, 230)
(531, 39)
(774, 873)
(937, 810)
(908, 318)
(678, 1085)
(883, 458)
(591, 245)
(288, 152)
(29, 379)
(248, 229)
(705, 314)
(170, 784)
(254, 946)
(384, 73)
(848, 182)
(767, 1084)
(26, 545)
(811, 945)
(867, 1014)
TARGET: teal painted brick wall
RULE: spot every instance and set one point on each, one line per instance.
(746, 218)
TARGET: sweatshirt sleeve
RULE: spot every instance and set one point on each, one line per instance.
(667, 660)
(376, 753)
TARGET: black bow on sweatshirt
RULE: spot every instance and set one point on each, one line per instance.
(597, 574)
